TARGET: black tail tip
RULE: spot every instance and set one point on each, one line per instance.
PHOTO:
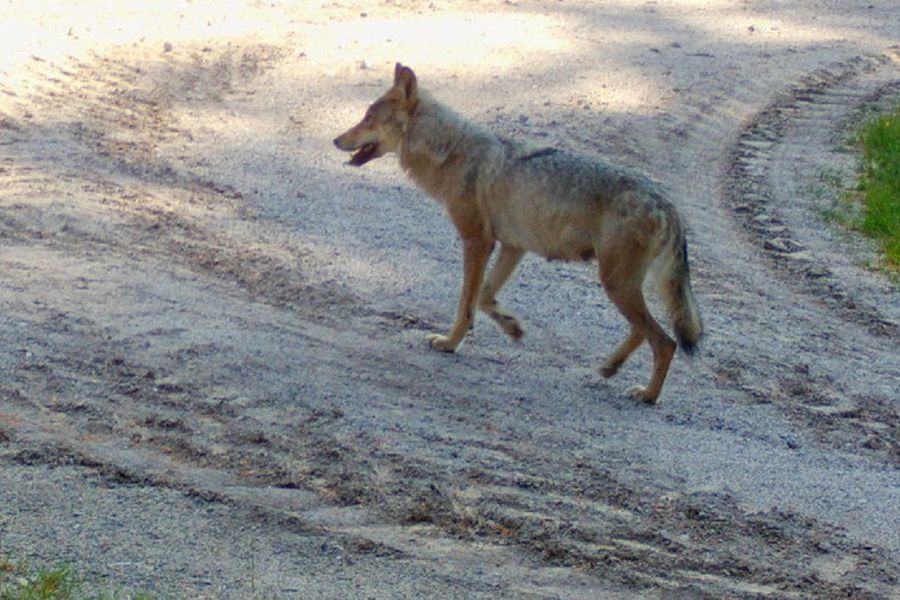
(687, 346)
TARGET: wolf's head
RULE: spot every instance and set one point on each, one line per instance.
(382, 127)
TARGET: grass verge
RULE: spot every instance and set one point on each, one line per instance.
(18, 582)
(879, 185)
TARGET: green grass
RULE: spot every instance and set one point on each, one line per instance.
(879, 184)
(18, 582)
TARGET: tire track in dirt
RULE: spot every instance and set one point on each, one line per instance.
(750, 182)
(764, 189)
(110, 115)
(585, 518)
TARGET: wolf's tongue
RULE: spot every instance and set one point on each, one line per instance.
(363, 155)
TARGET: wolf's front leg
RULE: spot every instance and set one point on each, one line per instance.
(475, 257)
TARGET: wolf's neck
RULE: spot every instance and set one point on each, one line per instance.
(438, 146)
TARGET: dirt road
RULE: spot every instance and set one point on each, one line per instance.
(215, 382)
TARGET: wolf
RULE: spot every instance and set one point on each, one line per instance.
(525, 198)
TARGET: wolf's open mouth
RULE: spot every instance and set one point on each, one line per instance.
(364, 154)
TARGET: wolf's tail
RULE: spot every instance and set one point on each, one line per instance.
(676, 291)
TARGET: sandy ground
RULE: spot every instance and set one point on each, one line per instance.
(214, 381)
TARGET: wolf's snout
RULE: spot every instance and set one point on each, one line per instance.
(344, 142)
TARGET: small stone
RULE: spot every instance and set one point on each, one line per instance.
(817, 272)
(783, 245)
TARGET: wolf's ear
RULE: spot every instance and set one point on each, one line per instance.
(405, 79)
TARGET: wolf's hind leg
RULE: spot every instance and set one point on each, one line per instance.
(611, 365)
(622, 271)
(630, 302)
(500, 273)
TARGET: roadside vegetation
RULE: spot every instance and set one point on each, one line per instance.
(19, 582)
(879, 185)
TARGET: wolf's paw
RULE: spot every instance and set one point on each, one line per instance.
(441, 342)
(609, 369)
(511, 326)
(641, 393)
(508, 323)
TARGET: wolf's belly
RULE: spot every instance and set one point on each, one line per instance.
(550, 236)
